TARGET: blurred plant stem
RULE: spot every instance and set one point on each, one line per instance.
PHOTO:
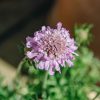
(45, 85)
(96, 96)
(20, 67)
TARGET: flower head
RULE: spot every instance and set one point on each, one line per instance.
(51, 48)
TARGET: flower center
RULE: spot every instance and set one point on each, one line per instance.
(54, 45)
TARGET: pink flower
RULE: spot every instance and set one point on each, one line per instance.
(51, 48)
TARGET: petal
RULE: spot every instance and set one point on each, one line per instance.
(41, 65)
(43, 28)
(62, 62)
(47, 65)
(59, 25)
(51, 72)
(29, 42)
(28, 38)
(28, 45)
(56, 65)
(70, 63)
(39, 56)
(30, 55)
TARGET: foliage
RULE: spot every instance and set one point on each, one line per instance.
(74, 83)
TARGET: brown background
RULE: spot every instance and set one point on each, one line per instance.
(70, 12)
(19, 18)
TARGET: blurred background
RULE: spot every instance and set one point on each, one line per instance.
(20, 18)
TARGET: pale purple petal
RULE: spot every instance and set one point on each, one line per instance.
(47, 65)
(59, 25)
(70, 63)
(51, 72)
(41, 65)
(43, 28)
(56, 65)
(30, 55)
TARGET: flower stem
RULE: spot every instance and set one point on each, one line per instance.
(44, 85)
(20, 67)
(96, 96)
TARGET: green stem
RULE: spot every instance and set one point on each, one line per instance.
(45, 85)
(20, 67)
(96, 96)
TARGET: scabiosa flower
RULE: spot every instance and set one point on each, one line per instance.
(50, 48)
